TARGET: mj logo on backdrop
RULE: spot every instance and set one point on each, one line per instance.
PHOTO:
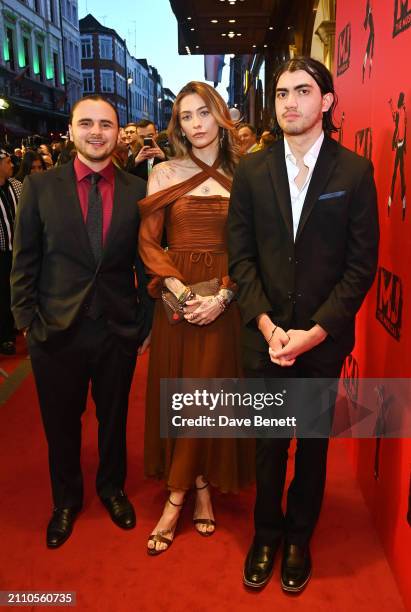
(344, 50)
(389, 302)
(363, 142)
(402, 16)
(350, 376)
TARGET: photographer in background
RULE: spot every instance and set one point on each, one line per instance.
(149, 153)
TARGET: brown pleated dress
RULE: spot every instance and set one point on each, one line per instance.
(196, 237)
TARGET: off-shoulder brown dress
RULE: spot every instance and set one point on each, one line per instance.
(196, 237)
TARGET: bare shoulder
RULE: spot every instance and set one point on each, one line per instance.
(166, 174)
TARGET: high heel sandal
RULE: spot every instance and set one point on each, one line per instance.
(204, 521)
(160, 535)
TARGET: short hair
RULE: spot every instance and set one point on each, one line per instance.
(321, 75)
(144, 123)
(94, 98)
(247, 125)
(130, 123)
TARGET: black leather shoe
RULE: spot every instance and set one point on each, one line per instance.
(259, 565)
(295, 568)
(60, 526)
(121, 510)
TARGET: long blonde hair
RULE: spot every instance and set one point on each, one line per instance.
(230, 149)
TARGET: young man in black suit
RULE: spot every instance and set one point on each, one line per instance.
(303, 243)
(74, 295)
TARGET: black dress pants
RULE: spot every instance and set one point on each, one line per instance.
(63, 370)
(306, 491)
(6, 318)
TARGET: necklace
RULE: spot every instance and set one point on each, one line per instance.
(205, 189)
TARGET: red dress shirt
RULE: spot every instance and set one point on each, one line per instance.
(106, 186)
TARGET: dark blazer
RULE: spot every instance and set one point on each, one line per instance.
(54, 271)
(321, 277)
(140, 170)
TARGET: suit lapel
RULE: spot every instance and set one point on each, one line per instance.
(70, 205)
(323, 169)
(279, 177)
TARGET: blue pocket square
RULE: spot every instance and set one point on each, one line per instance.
(334, 194)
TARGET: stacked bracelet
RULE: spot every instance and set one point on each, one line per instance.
(184, 296)
(221, 302)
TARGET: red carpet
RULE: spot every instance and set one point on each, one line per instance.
(110, 570)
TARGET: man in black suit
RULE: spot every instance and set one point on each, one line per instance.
(303, 243)
(145, 156)
(74, 295)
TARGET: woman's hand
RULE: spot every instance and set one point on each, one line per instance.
(175, 286)
(202, 310)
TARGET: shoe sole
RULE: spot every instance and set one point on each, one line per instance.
(52, 546)
(253, 585)
(288, 589)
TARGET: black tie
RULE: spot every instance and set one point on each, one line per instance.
(94, 220)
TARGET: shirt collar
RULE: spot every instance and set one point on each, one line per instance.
(82, 171)
(311, 155)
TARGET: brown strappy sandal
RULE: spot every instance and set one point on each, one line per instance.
(160, 536)
(204, 521)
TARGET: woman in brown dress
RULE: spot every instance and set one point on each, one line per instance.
(188, 196)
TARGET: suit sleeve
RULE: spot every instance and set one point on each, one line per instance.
(243, 252)
(27, 256)
(348, 294)
(144, 299)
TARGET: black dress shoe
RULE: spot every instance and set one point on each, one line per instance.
(259, 565)
(295, 568)
(60, 526)
(121, 510)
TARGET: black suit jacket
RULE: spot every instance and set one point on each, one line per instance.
(321, 277)
(54, 271)
(140, 170)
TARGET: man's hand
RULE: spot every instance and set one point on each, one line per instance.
(149, 153)
(275, 337)
(277, 344)
(300, 342)
(157, 152)
(143, 347)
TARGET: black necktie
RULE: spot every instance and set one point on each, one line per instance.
(94, 220)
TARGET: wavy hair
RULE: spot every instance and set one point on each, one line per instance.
(230, 150)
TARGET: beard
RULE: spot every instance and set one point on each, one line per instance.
(301, 126)
(87, 152)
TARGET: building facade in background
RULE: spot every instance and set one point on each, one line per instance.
(134, 87)
(103, 62)
(71, 50)
(32, 73)
(168, 102)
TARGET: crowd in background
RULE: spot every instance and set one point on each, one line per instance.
(139, 148)
(138, 143)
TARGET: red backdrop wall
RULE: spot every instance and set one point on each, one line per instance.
(371, 71)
